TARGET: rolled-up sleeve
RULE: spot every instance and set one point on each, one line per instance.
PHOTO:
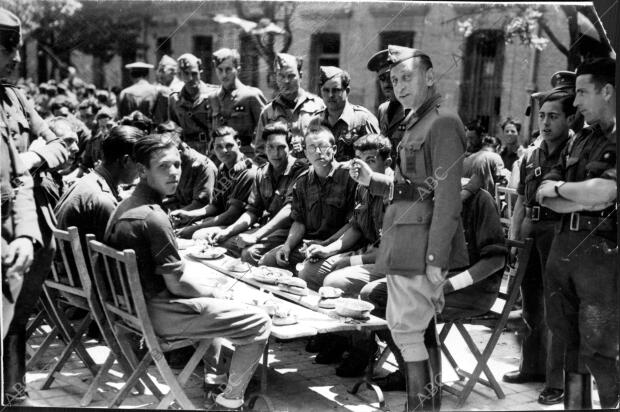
(447, 146)
(298, 210)
(243, 186)
(164, 250)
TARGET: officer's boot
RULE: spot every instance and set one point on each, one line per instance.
(419, 387)
(577, 391)
(434, 356)
(14, 368)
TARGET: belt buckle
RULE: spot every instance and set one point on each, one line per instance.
(535, 213)
(574, 222)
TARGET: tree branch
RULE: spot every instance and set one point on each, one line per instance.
(552, 37)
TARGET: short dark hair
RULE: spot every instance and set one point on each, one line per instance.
(374, 141)
(146, 146)
(602, 70)
(137, 73)
(139, 120)
(276, 128)
(491, 141)
(224, 131)
(119, 142)
(565, 99)
(475, 126)
(512, 121)
(315, 128)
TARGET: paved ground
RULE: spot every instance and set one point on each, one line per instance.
(295, 383)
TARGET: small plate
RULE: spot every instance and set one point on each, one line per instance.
(208, 253)
(270, 275)
(237, 267)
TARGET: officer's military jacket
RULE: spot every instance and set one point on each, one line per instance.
(140, 96)
(391, 116)
(23, 125)
(194, 117)
(140, 223)
(239, 108)
(88, 203)
(269, 194)
(323, 205)
(297, 117)
(536, 163)
(430, 157)
(354, 122)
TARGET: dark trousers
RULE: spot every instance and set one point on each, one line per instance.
(583, 306)
(541, 352)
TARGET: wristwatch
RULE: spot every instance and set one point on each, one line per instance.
(557, 186)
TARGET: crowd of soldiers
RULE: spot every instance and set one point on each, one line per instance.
(395, 209)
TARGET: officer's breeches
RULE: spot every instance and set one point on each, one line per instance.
(412, 303)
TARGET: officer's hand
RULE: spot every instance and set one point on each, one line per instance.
(283, 255)
(20, 255)
(360, 172)
(435, 274)
(246, 239)
(546, 189)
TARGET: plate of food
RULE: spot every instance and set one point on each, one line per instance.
(270, 275)
(353, 308)
(205, 251)
(283, 317)
(329, 295)
(296, 286)
(237, 266)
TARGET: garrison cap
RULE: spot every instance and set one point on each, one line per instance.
(224, 53)
(167, 61)
(603, 67)
(397, 54)
(188, 61)
(379, 62)
(287, 60)
(329, 72)
(138, 65)
(10, 29)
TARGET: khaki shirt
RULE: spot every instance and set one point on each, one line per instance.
(194, 117)
(391, 116)
(140, 96)
(354, 122)
(239, 108)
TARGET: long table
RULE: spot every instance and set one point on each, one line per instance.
(311, 320)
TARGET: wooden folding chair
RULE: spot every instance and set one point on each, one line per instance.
(497, 319)
(506, 199)
(118, 285)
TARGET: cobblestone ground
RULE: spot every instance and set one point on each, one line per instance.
(295, 383)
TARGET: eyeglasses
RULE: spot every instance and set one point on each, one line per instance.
(324, 149)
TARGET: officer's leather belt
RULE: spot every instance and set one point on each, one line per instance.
(409, 191)
(537, 213)
(603, 221)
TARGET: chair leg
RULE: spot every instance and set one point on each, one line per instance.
(97, 381)
(186, 372)
(140, 370)
(128, 361)
(168, 376)
(32, 362)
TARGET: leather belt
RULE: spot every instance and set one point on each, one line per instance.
(537, 213)
(603, 221)
(408, 191)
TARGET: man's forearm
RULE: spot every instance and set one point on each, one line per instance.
(196, 204)
(242, 224)
(518, 214)
(281, 219)
(589, 192)
(295, 234)
(560, 205)
(228, 217)
(336, 236)
(344, 242)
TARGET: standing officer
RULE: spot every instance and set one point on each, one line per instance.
(542, 354)
(425, 210)
(391, 113)
(19, 124)
(141, 95)
(293, 105)
(581, 269)
(235, 104)
(168, 82)
(348, 122)
(190, 108)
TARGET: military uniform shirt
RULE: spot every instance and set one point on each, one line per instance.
(239, 108)
(194, 117)
(270, 195)
(198, 175)
(323, 206)
(88, 204)
(141, 96)
(231, 187)
(140, 223)
(298, 117)
(536, 163)
(368, 213)
(391, 125)
(354, 122)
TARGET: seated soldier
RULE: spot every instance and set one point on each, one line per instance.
(233, 184)
(364, 229)
(180, 304)
(269, 202)
(198, 174)
(89, 203)
(323, 198)
(468, 291)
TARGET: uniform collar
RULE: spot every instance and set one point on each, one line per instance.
(313, 176)
(241, 159)
(432, 102)
(102, 172)
(233, 91)
(145, 192)
(545, 148)
(302, 96)
(290, 161)
(347, 115)
(202, 95)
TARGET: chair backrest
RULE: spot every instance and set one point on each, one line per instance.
(69, 269)
(505, 196)
(515, 276)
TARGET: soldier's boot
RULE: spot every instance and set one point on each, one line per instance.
(419, 386)
(577, 391)
(14, 368)
(434, 356)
